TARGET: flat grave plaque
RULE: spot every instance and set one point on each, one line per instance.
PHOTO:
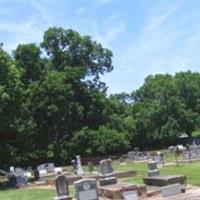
(131, 195)
(88, 195)
(171, 190)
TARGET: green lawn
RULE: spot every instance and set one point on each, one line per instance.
(27, 194)
(191, 170)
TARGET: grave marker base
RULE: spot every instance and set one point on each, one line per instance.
(116, 191)
(164, 180)
(63, 198)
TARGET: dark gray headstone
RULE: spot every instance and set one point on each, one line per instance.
(36, 174)
(131, 155)
(17, 180)
(152, 165)
(107, 175)
(62, 188)
(152, 169)
(106, 167)
(86, 189)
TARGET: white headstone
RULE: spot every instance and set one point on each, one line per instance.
(79, 166)
(170, 190)
(28, 174)
(43, 172)
(130, 195)
(57, 169)
(12, 169)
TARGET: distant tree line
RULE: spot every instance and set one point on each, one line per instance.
(53, 103)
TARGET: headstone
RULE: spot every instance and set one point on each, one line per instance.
(12, 169)
(171, 149)
(50, 167)
(28, 174)
(107, 175)
(86, 189)
(79, 166)
(131, 155)
(122, 161)
(159, 158)
(152, 169)
(43, 172)
(36, 174)
(17, 180)
(130, 195)
(41, 166)
(62, 188)
(19, 171)
(57, 169)
(170, 190)
(74, 165)
(90, 167)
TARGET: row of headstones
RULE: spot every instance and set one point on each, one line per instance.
(139, 156)
(19, 177)
(44, 169)
(191, 152)
(86, 189)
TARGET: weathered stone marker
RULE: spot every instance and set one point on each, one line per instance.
(62, 188)
(107, 175)
(170, 190)
(130, 195)
(79, 166)
(90, 167)
(17, 180)
(152, 171)
(36, 174)
(86, 189)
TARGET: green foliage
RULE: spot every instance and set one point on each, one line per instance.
(49, 93)
(103, 141)
(10, 98)
(27, 58)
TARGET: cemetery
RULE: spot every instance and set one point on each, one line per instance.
(108, 180)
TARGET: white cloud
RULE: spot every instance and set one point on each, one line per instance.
(27, 30)
(165, 45)
(158, 20)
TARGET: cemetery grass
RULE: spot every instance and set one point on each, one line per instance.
(31, 194)
(27, 194)
(190, 170)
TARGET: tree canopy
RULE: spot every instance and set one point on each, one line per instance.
(54, 104)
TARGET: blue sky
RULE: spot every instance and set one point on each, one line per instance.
(146, 37)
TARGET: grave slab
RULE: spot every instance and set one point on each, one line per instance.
(116, 191)
(164, 180)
